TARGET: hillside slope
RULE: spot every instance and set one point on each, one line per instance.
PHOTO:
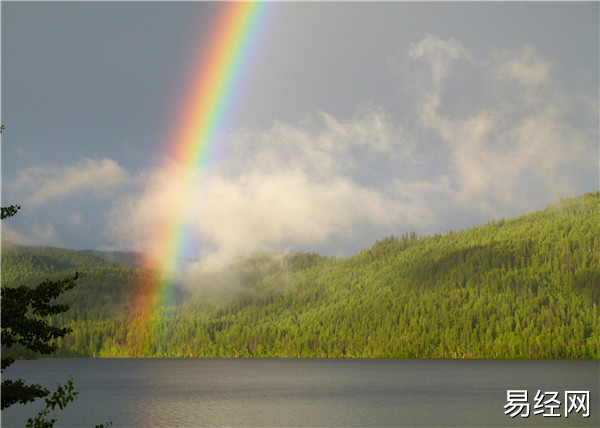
(527, 287)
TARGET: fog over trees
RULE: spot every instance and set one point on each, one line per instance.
(527, 287)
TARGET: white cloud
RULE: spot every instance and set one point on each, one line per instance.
(137, 220)
(524, 66)
(267, 210)
(43, 183)
(520, 148)
(322, 180)
(285, 187)
(39, 234)
(12, 235)
(439, 54)
(320, 144)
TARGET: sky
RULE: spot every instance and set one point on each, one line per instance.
(352, 121)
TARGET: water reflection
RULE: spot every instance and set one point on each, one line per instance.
(214, 392)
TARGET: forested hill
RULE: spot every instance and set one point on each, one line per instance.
(527, 287)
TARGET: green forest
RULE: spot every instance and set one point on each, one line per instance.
(526, 287)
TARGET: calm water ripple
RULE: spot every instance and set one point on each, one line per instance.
(288, 392)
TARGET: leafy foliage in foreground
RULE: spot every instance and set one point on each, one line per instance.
(60, 398)
(527, 287)
(25, 313)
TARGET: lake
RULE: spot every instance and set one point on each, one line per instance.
(307, 392)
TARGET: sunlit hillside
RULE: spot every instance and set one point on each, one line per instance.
(527, 287)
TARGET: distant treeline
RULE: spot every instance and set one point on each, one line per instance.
(527, 287)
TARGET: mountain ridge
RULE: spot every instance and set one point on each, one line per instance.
(527, 287)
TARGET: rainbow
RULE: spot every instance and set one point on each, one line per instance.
(215, 82)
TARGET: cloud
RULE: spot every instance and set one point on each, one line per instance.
(44, 183)
(285, 187)
(322, 182)
(10, 234)
(267, 210)
(520, 148)
(439, 54)
(524, 66)
(320, 144)
(39, 234)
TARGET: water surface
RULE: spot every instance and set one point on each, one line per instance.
(296, 392)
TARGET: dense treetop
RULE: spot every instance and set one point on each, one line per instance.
(527, 287)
